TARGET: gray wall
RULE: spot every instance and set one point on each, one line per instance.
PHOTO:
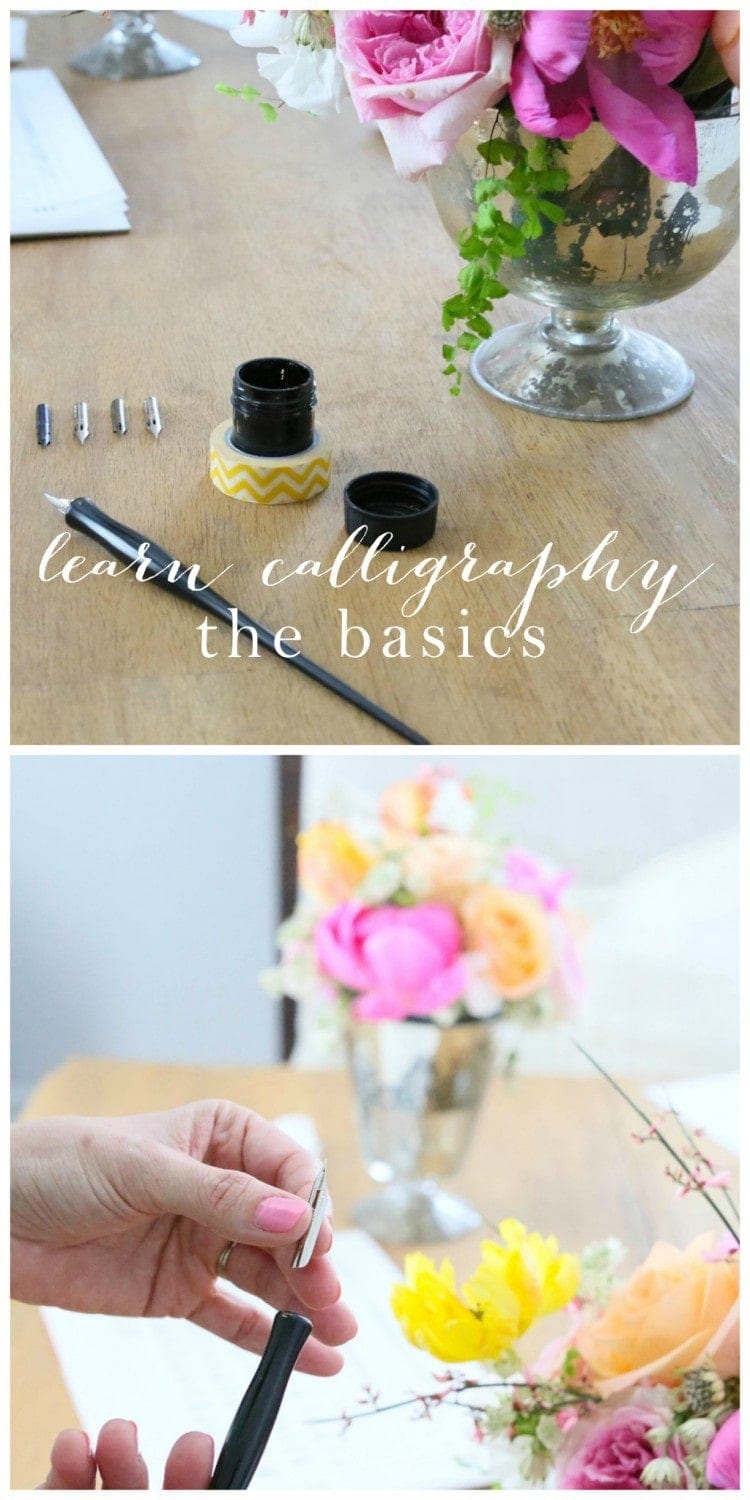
(145, 894)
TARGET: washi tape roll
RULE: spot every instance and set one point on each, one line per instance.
(269, 481)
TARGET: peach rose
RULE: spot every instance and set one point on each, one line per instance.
(405, 806)
(443, 867)
(330, 863)
(512, 932)
(436, 801)
(678, 1310)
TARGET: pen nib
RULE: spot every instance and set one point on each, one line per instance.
(153, 420)
(58, 503)
(81, 421)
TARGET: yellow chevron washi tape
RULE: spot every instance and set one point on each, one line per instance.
(269, 481)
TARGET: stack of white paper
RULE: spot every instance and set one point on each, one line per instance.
(60, 181)
(170, 1378)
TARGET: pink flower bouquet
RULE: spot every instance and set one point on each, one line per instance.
(413, 912)
(424, 77)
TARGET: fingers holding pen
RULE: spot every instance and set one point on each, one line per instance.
(249, 1328)
(314, 1292)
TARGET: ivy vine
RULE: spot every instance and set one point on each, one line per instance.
(492, 238)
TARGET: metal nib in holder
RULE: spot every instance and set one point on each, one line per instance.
(273, 453)
(133, 49)
(389, 502)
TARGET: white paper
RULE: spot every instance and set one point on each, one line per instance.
(60, 181)
(170, 1378)
(711, 1104)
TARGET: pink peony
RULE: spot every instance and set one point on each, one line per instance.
(620, 63)
(723, 1458)
(609, 1449)
(399, 960)
(424, 75)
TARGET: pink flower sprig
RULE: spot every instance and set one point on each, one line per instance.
(654, 1131)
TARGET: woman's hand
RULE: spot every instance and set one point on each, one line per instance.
(117, 1462)
(129, 1216)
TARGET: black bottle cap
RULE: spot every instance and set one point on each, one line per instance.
(387, 501)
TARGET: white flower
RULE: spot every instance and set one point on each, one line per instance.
(663, 1474)
(306, 75)
(599, 1262)
(697, 1433)
(480, 995)
(452, 810)
(380, 883)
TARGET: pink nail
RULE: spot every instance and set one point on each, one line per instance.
(277, 1215)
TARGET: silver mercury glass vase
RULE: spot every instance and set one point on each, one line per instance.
(418, 1088)
(629, 239)
(133, 48)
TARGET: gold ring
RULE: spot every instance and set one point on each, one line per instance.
(221, 1264)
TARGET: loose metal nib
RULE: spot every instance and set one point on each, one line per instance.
(81, 421)
(43, 425)
(318, 1203)
(119, 416)
(153, 420)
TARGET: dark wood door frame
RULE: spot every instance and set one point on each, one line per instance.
(289, 782)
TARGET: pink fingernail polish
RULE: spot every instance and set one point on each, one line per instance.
(277, 1215)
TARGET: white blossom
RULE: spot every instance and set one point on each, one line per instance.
(305, 74)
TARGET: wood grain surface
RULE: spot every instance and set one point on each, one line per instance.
(298, 238)
(555, 1152)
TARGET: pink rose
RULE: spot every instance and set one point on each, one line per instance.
(723, 1459)
(424, 75)
(609, 1449)
(399, 960)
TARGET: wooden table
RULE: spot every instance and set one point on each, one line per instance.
(555, 1152)
(299, 238)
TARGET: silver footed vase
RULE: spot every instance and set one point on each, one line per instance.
(629, 239)
(418, 1089)
(133, 48)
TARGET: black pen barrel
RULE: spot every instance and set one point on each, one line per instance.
(162, 568)
(253, 1424)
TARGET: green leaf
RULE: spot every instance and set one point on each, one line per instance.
(226, 88)
(705, 73)
(486, 189)
(456, 306)
(497, 150)
(450, 370)
(268, 111)
(486, 219)
(468, 341)
(471, 246)
(554, 181)
(471, 278)
(250, 93)
(448, 351)
(551, 211)
(455, 390)
(479, 325)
